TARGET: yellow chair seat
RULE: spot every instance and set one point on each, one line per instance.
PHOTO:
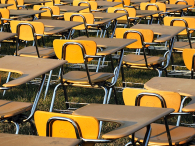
(138, 60)
(159, 135)
(182, 45)
(12, 108)
(31, 52)
(81, 77)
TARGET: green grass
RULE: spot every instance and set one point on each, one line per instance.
(27, 92)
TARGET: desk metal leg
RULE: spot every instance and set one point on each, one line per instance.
(168, 131)
(147, 136)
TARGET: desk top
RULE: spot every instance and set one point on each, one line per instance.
(145, 13)
(30, 140)
(68, 8)
(35, 2)
(25, 13)
(131, 118)
(107, 4)
(183, 86)
(28, 67)
(175, 7)
(165, 32)
(112, 45)
(6, 35)
(5, 5)
(57, 26)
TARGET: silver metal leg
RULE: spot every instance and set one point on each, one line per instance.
(53, 98)
(147, 136)
(17, 127)
(8, 77)
(48, 82)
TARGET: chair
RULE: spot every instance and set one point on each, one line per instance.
(144, 39)
(156, 7)
(125, 20)
(188, 58)
(80, 51)
(53, 12)
(68, 126)
(152, 98)
(5, 17)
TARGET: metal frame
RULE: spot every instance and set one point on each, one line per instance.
(51, 11)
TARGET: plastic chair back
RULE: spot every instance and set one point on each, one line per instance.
(38, 27)
(88, 126)
(172, 99)
(4, 14)
(92, 4)
(73, 53)
(187, 57)
(147, 34)
(190, 23)
(87, 16)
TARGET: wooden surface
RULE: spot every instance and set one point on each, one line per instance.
(6, 35)
(107, 4)
(25, 13)
(35, 2)
(175, 7)
(165, 32)
(28, 67)
(5, 5)
(131, 118)
(145, 13)
(56, 26)
(30, 140)
(68, 8)
(184, 87)
(112, 45)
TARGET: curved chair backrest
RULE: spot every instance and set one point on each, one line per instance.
(4, 14)
(188, 55)
(88, 126)
(91, 4)
(153, 6)
(181, 21)
(172, 99)
(131, 12)
(79, 17)
(51, 10)
(73, 53)
(23, 29)
(14, 2)
(183, 2)
(146, 33)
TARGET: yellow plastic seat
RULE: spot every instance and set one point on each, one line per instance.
(80, 51)
(35, 31)
(53, 12)
(86, 18)
(144, 39)
(129, 18)
(155, 7)
(179, 134)
(63, 125)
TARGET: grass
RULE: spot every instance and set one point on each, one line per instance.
(27, 92)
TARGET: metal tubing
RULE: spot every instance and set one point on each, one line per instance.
(48, 82)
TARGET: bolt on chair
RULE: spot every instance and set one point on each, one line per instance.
(162, 99)
(81, 51)
(144, 39)
(68, 126)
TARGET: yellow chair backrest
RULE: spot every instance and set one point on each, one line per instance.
(190, 22)
(14, 6)
(153, 6)
(5, 14)
(172, 99)
(88, 17)
(147, 34)
(55, 11)
(183, 2)
(73, 53)
(26, 30)
(131, 12)
(89, 126)
(187, 57)
(125, 2)
(92, 4)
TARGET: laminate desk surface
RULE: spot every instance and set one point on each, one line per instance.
(184, 87)
(6, 35)
(28, 67)
(30, 140)
(5, 5)
(68, 8)
(131, 118)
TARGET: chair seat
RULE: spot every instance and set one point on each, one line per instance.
(159, 135)
(12, 108)
(80, 77)
(138, 60)
(183, 45)
(31, 52)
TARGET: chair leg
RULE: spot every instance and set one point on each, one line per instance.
(17, 127)
(8, 77)
(53, 98)
(123, 77)
(48, 82)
